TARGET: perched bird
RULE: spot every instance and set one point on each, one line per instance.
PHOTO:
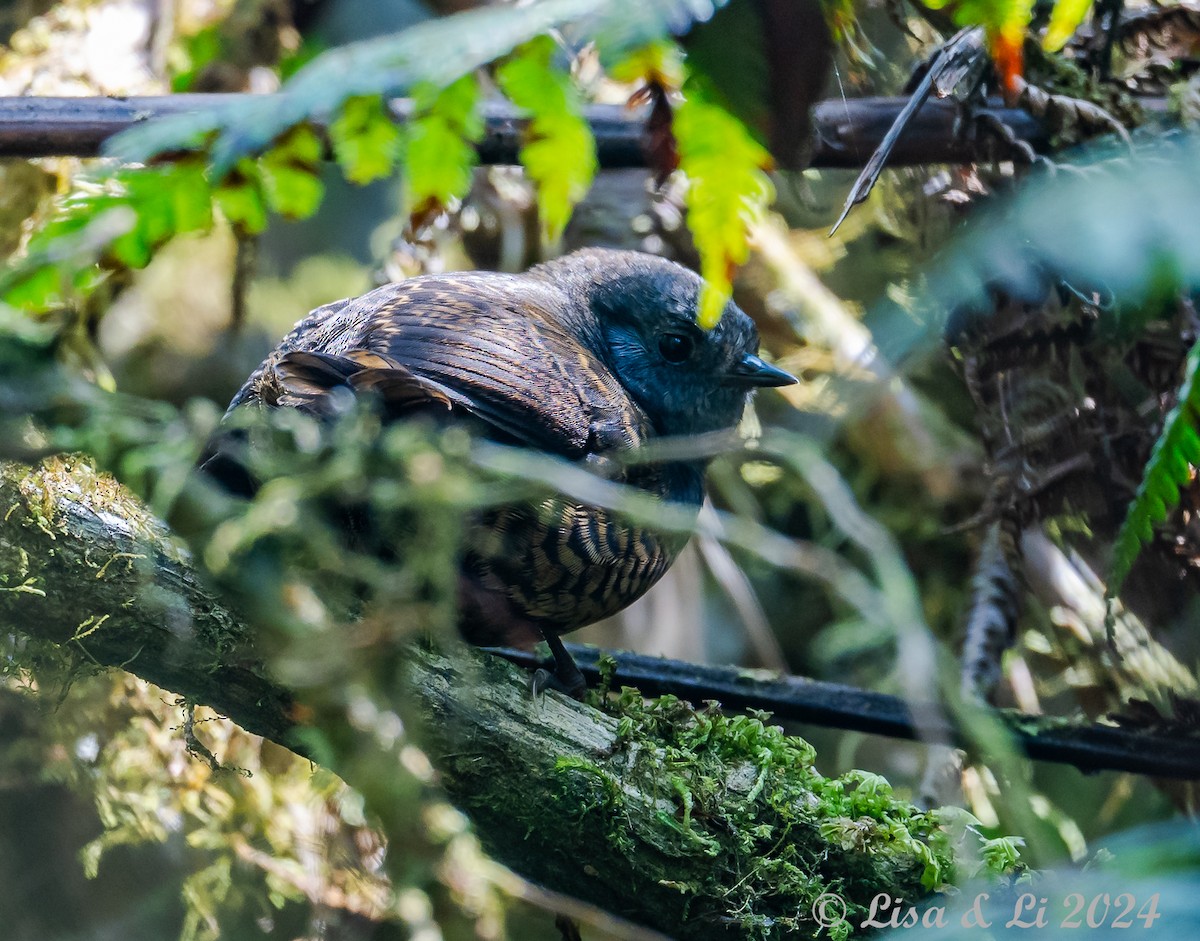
(583, 357)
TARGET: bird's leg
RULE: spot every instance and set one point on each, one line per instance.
(566, 677)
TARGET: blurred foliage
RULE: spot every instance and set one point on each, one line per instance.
(918, 455)
(1144, 880)
(261, 837)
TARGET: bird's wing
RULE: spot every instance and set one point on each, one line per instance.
(485, 345)
(310, 381)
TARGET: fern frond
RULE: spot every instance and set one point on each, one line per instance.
(1175, 452)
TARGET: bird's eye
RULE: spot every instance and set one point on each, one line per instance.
(676, 347)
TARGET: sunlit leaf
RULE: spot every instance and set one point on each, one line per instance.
(728, 189)
(659, 62)
(439, 152)
(366, 141)
(290, 173)
(1065, 18)
(38, 289)
(559, 153)
(241, 200)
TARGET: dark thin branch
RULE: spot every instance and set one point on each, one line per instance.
(846, 131)
(1087, 747)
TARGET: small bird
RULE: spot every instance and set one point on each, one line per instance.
(584, 357)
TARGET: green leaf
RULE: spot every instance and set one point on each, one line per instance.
(559, 153)
(439, 152)
(241, 200)
(191, 197)
(728, 190)
(37, 289)
(291, 173)
(366, 141)
(1175, 452)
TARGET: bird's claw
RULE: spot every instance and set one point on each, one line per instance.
(543, 679)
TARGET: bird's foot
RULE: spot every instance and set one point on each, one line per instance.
(565, 677)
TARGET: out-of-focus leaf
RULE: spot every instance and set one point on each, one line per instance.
(191, 197)
(1144, 880)
(151, 205)
(741, 83)
(439, 155)
(1119, 220)
(1142, 240)
(366, 141)
(728, 189)
(559, 153)
(659, 62)
(241, 199)
(38, 289)
(1064, 20)
(290, 173)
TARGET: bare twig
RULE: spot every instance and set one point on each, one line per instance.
(846, 132)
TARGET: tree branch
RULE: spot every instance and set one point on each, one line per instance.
(846, 131)
(832, 705)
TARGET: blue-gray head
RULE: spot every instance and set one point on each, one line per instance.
(643, 326)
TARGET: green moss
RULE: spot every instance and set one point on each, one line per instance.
(746, 793)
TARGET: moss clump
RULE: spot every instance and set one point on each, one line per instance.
(744, 793)
(700, 824)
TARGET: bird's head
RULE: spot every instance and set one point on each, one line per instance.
(642, 311)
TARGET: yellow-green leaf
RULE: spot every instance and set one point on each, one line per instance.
(559, 153)
(191, 197)
(35, 291)
(728, 190)
(290, 173)
(1064, 20)
(240, 198)
(660, 62)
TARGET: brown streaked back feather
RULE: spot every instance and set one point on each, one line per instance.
(498, 346)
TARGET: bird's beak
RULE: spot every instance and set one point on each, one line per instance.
(752, 371)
